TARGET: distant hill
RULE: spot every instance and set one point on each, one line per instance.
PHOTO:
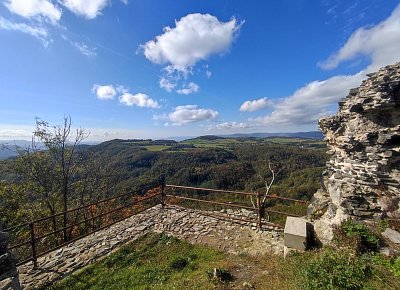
(306, 135)
(8, 148)
(317, 135)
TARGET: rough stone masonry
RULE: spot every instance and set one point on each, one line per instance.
(363, 172)
(8, 270)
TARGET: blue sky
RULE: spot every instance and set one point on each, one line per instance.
(154, 69)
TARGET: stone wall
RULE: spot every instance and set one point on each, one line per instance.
(8, 271)
(363, 172)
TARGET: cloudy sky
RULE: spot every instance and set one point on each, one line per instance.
(154, 69)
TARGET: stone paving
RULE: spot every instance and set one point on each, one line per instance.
(192, 225)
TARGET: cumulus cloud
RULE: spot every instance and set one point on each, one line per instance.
(195, 37)
(140, 100)
(167, 84)
(317, 99)
(227, 126)
(380, 43)
(35, 31)
(251, 106)
(34, 8)
(107, 92)
(89, 9)
(183, 115)
(84, 49)
(190, 88)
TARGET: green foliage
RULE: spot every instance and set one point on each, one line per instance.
(334, 269)
(356, 236)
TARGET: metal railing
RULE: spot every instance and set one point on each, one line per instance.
(35, 237)
(259, 207)
(163, 191)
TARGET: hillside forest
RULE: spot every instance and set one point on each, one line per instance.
(58, 172)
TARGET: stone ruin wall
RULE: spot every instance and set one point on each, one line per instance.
(8, 271)
(362, 179)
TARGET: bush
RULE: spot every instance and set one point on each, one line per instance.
(336, 270)
(179, 263)
(356, 236)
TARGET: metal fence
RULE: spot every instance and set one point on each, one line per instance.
(37, 240)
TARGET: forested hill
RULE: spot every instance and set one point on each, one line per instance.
(119, 166)
(215, 162)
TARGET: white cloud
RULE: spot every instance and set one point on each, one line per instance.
(84, 49)
(310, 102)
(251, 106)
(140, 100)
(195, 37)
(228, 126)
(34, 8)
(167, 84)
(35, 31)
(125, 2)
(89, 9)
(190, 88)
(104, 92)
(183, 115)
(381, 43)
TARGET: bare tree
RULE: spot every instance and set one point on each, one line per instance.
(268, 180)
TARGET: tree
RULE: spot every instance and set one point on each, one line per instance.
(268, 178)
(51, 163)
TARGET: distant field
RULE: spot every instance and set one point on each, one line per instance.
(204, 143)
(156, 147)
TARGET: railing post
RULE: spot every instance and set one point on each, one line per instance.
(33, 244)
(163, 194)
(259, 208)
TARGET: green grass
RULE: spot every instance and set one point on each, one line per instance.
(152, 262)
(155, 148)
(157, 261)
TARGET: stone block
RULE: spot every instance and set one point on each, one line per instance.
(392, 235)
(296, 233)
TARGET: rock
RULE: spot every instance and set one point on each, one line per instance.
(392, 235)
(296, 234)
(388, 252)
(362, 178)
(247, 285)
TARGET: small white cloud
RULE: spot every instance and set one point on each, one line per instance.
(125, 2)
(34, 8)
(35, 31)
(190, 88)
(140, 100)
(167, 84)
(195, 37)
(183, 115)
(208, 74)
(228, 126)
(84, 49)
(251, 106)
(380, 43)
(104, 92)
(89, 9)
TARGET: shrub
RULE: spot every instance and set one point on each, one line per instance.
(179, 263)
(356, 236)
(336, 270)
